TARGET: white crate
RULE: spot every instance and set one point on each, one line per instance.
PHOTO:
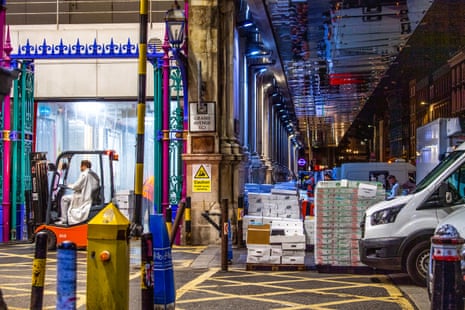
(276, 250)
(286, 224)
(289, 239)
(293, 253)
(292, 260)
(258, 250)
(275, 259)
(293, 245)
(258, 259)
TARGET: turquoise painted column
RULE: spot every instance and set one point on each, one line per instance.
(176, 141)
(157, 132)
(165, 124)
(22, 140)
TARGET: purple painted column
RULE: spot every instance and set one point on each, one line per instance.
(165, 124)
(185, 116)
(6, 203)
(2, 25)
(186, 108)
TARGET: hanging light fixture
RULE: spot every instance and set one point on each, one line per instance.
(175, 21)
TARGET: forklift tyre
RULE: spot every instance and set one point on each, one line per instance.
(51, 239)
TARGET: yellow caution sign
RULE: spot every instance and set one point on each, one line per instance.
(201, 182)
(201, 173)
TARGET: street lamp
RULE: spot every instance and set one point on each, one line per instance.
(175, 120)
(175, 21)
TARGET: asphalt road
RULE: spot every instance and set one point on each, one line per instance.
(201, 284)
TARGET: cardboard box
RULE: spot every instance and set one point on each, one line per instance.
(258, 234)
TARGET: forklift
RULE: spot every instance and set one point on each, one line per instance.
(65, 169)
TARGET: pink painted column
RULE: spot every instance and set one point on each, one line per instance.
(6, 202)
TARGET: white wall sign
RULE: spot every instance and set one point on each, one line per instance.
(201, 116)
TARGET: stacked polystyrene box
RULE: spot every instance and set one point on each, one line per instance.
(340, 206)
(281, 210)
(258, 244)
(287, 241)
(309, 230)
(263, 208)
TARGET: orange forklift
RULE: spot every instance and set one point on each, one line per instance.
(66, 168)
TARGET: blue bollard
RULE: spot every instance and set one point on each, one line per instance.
(164, 293)
(66, 275)
(1, 224)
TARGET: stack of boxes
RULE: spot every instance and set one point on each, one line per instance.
(278, 214)
(287, 241)
(340, 206)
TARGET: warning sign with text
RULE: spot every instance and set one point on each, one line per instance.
(201, 178)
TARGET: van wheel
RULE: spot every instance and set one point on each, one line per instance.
(417, 263)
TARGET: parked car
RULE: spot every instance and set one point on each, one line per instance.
(396, 233)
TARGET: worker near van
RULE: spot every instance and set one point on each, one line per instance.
(395, 189)
(75, 208)
(409, 186)
(328, 176)
(310, 184)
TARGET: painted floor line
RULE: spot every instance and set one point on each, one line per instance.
(204, 276)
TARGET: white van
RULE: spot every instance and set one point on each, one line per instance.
(396, 233)
(377, 171)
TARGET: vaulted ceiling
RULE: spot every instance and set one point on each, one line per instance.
(334, 55)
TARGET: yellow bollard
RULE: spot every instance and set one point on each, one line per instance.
(108, 260)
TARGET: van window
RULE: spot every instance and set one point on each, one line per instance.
(456, 182)
(438, 170)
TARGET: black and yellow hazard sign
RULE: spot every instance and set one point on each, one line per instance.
(202, 181)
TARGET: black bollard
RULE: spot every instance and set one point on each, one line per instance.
(38, 271)
(447, 284)
(240, 214)
(169, 220)
(187, 221)
(147, 271)
(3, 305)
(224, 235)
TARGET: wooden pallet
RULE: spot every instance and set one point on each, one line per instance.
(275, 267)
(345, 269)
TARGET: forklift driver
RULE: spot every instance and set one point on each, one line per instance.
(75, 207)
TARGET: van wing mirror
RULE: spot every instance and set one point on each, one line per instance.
(440, 198)
(445, 195)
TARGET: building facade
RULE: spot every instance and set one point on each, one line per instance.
(91, 102)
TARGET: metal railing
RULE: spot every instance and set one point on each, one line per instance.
(40, 12)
